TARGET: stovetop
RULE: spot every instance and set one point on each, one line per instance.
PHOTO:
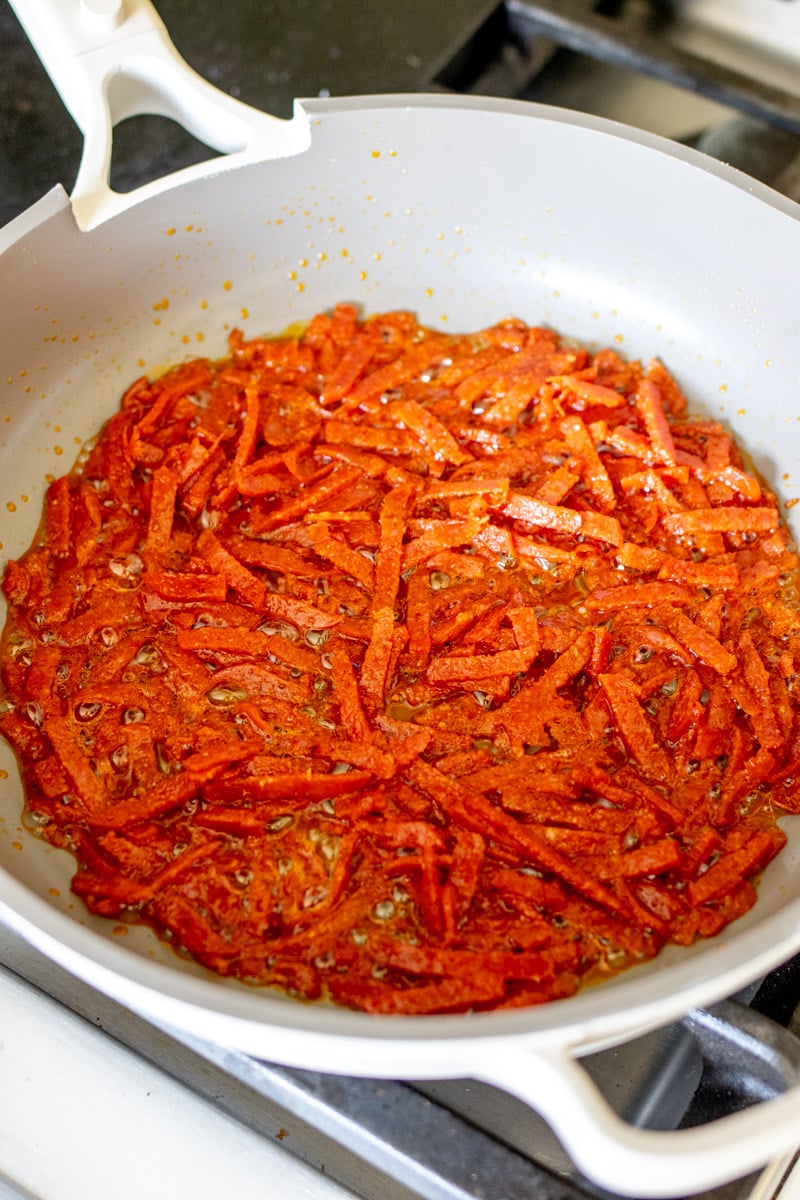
(692, 70)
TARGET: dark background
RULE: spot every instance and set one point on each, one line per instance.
(265, 52)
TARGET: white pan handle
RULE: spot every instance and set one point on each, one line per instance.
(113, 59)
(637, 1162)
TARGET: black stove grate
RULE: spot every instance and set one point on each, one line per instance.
(634, 35)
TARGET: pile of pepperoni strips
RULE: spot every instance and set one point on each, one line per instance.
(416, 672)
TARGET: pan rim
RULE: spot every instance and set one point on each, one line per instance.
(318, 107)
(314, 109)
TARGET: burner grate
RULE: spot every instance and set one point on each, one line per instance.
(678, 44)
(646, 37)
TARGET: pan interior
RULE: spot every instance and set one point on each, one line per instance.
(464, 213)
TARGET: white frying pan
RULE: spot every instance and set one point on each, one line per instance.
(464, 211)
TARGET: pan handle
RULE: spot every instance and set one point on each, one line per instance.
(644, 1163)
(113, 59)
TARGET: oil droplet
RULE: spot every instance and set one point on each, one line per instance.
(227, 285)
(3, 774)
(428, 291)
(345, 252)
(11, 506)
(54, 891)
(24, 499)
(57, 450)
(188, 228)
(723, 387)
(376, 153)
(362, 274)
(301, 287)
(204, 304)
(245, 313)
(171, 232)
(17, 845)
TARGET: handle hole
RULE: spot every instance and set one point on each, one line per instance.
(148, 147)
